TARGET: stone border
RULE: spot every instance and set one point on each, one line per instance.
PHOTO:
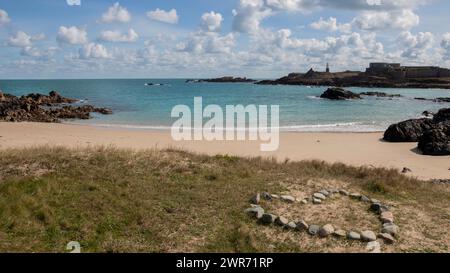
(388, 231)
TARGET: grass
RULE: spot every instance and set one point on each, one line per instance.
(114, 200)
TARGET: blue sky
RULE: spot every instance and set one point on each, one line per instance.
(208, 38)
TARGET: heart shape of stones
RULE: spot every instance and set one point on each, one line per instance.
(388, 232)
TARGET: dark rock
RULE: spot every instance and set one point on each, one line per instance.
(442, 116)
(406, 170)
(380, 95)
(42, 108)
(427, 114)
(408, 131)
(268, 219)
(442, 100)
(435, 142)
(223, 80)
(337, 93)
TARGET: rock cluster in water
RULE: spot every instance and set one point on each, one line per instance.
(336, 93)
(388, 232)
(43, 108)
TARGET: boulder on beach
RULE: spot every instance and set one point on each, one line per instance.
(337, 93)
(436, 141)
(408, 131)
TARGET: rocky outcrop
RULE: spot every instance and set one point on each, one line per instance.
(433, 135)
(408, 131)
(43, 108)
(435, 142)
(442, 116)
(223, 80)
(441, 100)
(380, 95)
(337, 93)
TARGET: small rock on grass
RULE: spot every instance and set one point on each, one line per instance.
(256, 212)
(302, 225)
(320, 196)
(304, 201)
(387, 238)
(281, 221)
(375, 207)
(344, 192)
(324, 192)
(326, 230)
(317, 201)
(365, 199)
(355, 195)
(266, 196)
(256, 199)
(391, 229)
(291, 225)
(313, 229)
(373, 247)
(387, 217)
(275, 196)
(368, 236)
(288, 198)
(340, 233)
(353, 235)
(268, 218)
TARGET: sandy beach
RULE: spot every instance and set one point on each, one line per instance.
(350, 148)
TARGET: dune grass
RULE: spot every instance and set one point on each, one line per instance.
(113, 200)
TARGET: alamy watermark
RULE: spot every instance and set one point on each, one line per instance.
(237, 122)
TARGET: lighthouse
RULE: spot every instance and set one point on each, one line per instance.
(328, 68)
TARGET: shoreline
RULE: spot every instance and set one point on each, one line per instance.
(356, 149)
(282, 129)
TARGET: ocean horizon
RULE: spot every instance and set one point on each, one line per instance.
(137, 106)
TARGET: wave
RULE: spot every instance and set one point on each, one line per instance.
(350, 127)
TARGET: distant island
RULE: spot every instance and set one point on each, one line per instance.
(223, 80)
(382, 75)
(390, 75)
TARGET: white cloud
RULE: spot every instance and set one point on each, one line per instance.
(118, 36)
(445, 44)
(415, 46)
(21, 39)
(170, 17)
(379, 20)
(116, 13)
(331, 25)
(72, 35)
(208, 42)
(36, 52)
(211, 21)
(38, 37)
(93, 50)
(249, 14)
(4, 18)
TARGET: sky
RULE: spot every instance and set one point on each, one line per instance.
(54, 39)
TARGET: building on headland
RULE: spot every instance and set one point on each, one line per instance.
(396, 71)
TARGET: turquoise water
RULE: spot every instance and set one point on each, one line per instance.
(148, 107)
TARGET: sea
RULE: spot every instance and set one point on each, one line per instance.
(139, 106)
